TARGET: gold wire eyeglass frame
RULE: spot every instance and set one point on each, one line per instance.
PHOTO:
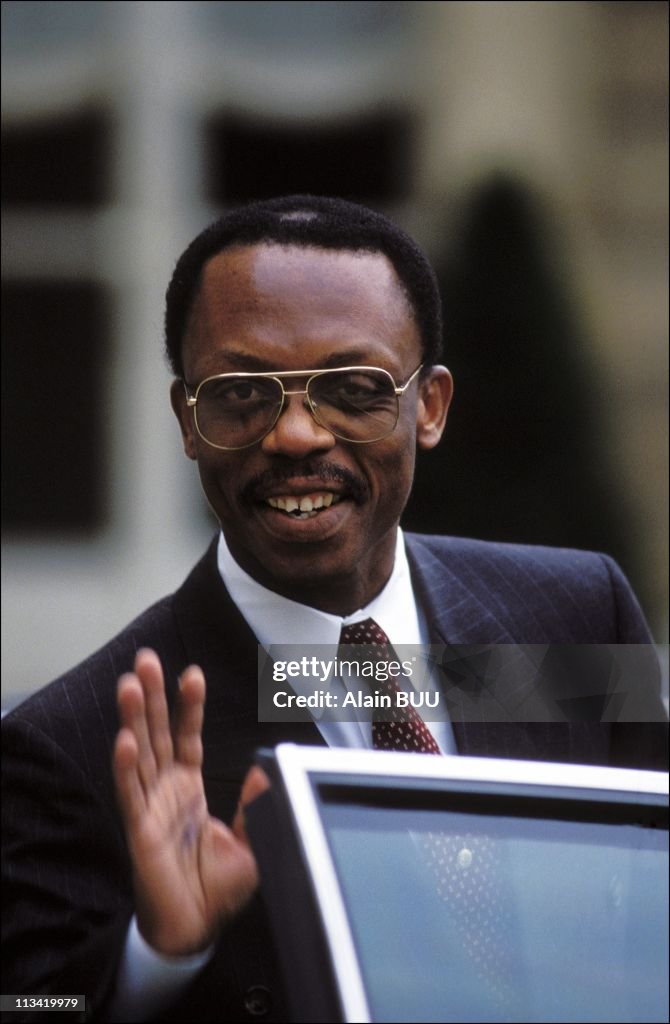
(398, 390)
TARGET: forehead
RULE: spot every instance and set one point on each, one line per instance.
(268, 297)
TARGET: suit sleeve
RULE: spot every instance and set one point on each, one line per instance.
(66, 894)
(641, 744)
(631, 626)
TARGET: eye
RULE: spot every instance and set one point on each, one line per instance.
(357, 387)
(353, 390)
(240, 391)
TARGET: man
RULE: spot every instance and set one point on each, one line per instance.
(128, 876)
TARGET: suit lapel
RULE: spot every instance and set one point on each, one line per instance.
(456, 613)
(482, 681)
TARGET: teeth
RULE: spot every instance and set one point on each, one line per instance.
(305, 507)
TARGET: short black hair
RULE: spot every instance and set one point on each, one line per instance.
(318, 221)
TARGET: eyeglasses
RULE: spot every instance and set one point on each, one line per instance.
(359, 404)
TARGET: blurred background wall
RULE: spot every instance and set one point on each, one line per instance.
(524, 145)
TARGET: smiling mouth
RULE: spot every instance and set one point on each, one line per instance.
(306, 506)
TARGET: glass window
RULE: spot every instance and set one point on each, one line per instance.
(471, 917)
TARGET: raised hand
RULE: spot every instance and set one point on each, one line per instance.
(191, 872)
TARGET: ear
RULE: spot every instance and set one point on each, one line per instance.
(435, 392)
(183, 413)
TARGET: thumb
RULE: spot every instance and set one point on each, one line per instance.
(255, 783)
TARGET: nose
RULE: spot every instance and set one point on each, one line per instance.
(296, 433)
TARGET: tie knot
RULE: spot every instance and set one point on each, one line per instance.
(367, 631)
(395, 726)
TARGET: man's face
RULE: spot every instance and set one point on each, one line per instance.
(280, 308)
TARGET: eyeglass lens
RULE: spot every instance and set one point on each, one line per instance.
(234, 412)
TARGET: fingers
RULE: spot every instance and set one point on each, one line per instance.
(189, 717)
(130, 791)
(145, 747)
(143, 712)
(149, 671)
(255, 783)
(132, 712)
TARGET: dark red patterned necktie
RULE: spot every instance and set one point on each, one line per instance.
(403, 728)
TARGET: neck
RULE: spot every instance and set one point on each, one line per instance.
(335, 599)
(334, 592)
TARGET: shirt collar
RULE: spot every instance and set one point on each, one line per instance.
(277, 620)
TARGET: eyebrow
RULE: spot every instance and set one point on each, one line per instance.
(253, 364)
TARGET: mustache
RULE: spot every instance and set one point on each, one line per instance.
(321, 469)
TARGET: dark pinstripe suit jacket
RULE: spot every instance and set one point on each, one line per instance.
(66, 875)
